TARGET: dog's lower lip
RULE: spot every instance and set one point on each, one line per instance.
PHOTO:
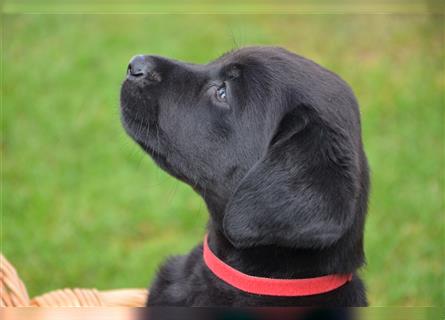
(127, 113)
(147, 148)
(133, 119)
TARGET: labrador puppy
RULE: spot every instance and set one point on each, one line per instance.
(272, 143)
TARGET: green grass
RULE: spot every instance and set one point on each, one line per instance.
(83, 206)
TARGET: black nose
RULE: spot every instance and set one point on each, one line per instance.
(138, 67)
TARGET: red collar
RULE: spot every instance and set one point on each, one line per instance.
(268, 286)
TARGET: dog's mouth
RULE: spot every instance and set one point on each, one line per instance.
(138, 116)
(139, 126)
(139, 119)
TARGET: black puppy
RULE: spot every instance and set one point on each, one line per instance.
(272, 142)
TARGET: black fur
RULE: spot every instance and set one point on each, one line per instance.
(280, 165)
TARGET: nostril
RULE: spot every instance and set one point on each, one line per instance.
(134, 71)
(137, 66)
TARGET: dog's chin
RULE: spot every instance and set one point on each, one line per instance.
(139, 131)
(151, 145)
(163, 162)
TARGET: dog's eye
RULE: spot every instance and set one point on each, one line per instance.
(221, 93)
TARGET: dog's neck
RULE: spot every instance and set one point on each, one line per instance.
(280, 262)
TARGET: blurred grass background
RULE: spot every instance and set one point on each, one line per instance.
(84, 207)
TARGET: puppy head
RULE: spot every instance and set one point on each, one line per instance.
(271, 140)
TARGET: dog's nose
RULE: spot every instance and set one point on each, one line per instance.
(138, 67)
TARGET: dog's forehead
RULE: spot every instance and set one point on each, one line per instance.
(259, 59)
(249, 55)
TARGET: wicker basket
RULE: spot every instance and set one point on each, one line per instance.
(13, 293)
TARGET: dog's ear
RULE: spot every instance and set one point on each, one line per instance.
(302, 193)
